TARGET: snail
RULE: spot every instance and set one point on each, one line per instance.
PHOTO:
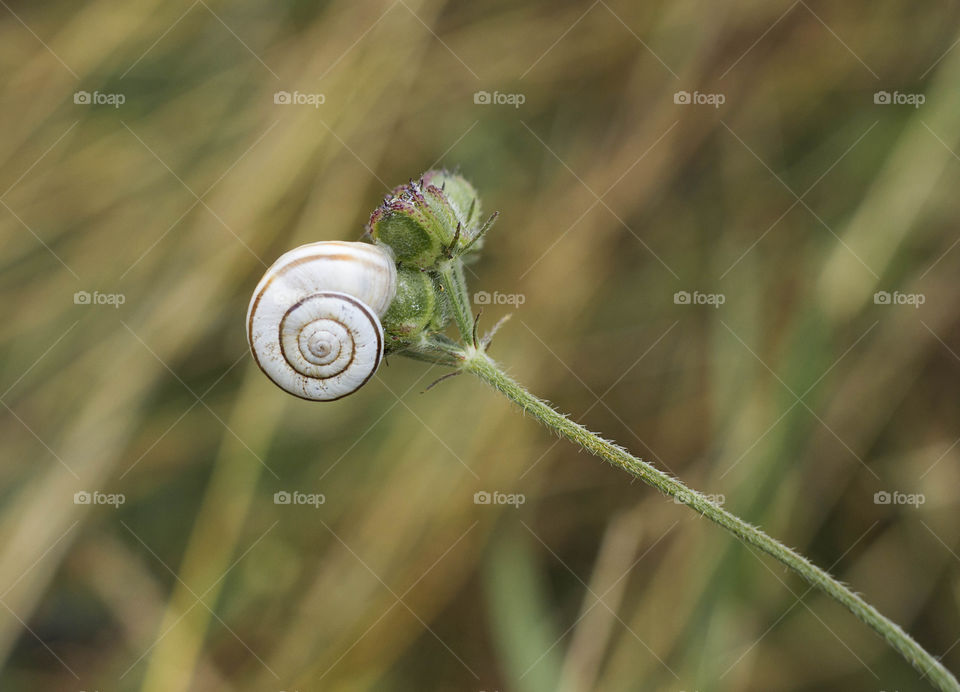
(323, 314)
(314, 321)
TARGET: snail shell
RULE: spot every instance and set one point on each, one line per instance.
(314, 319)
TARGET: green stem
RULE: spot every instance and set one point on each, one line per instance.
(451, 277)
(478, 363)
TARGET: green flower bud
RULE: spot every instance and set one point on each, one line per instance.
(419, 305)
(428, 220)
(461, 195)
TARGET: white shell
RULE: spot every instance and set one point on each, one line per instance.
(314, 318)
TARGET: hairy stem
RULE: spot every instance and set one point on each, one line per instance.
(451, 278)
(478, 363)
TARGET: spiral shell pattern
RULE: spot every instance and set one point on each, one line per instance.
(314, 319)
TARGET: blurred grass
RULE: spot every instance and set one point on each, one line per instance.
(178, 198)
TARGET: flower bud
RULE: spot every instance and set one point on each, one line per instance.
(427, 220)
(461, 195)
(419, 305)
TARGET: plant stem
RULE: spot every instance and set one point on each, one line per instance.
(478, 363)
(451, 277)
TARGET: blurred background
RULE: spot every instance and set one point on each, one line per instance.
(728, 241)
